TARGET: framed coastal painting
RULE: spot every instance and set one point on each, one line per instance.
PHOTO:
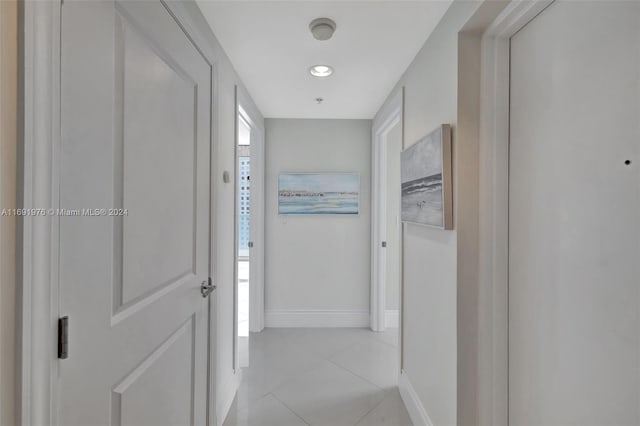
(318, 193)
(426, 180)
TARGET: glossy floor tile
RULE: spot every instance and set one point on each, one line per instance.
(374, 361)
(266, 411)
(390, 336)
(243, 298)
(320, 377)
(330, 395)
(390, 412)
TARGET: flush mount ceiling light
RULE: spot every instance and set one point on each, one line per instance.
(322, 28)
(321, 70)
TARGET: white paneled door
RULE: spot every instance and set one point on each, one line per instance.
(574, 217)
(136, 120)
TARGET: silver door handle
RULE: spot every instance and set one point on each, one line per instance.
(207, 287)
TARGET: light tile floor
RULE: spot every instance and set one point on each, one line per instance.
(243, 313)
(243, 298)
(323, 377)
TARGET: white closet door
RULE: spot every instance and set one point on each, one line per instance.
(574, 226)
(136, 111)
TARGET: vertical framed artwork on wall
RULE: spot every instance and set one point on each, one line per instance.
(427, 192)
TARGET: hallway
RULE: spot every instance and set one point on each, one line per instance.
(209, 210)
(337, 377)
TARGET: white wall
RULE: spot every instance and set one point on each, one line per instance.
(8, 106)
(317, 264)
(433, 258)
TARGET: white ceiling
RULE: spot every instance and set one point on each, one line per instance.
(271, 48)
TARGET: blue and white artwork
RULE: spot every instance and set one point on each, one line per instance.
(426, 180)
(319, 193)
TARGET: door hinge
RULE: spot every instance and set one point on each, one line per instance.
(63, 337)
(250, 244)
(384, 244)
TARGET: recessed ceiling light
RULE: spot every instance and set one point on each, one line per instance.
(321, 70)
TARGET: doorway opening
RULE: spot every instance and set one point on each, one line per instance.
(386, 291)
(243, 220)
(249, 231)
(392, 225)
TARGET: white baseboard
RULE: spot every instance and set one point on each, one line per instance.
(316, 318)
(418, 414)
(392, 318)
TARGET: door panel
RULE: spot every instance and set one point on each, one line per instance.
(159, 146)
(167, 371)
(574, 217)
(136, 111)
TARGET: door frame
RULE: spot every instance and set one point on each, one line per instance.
(38, 178)
(256, 253)
(494, 205)
(39, 143)
(391, 114)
